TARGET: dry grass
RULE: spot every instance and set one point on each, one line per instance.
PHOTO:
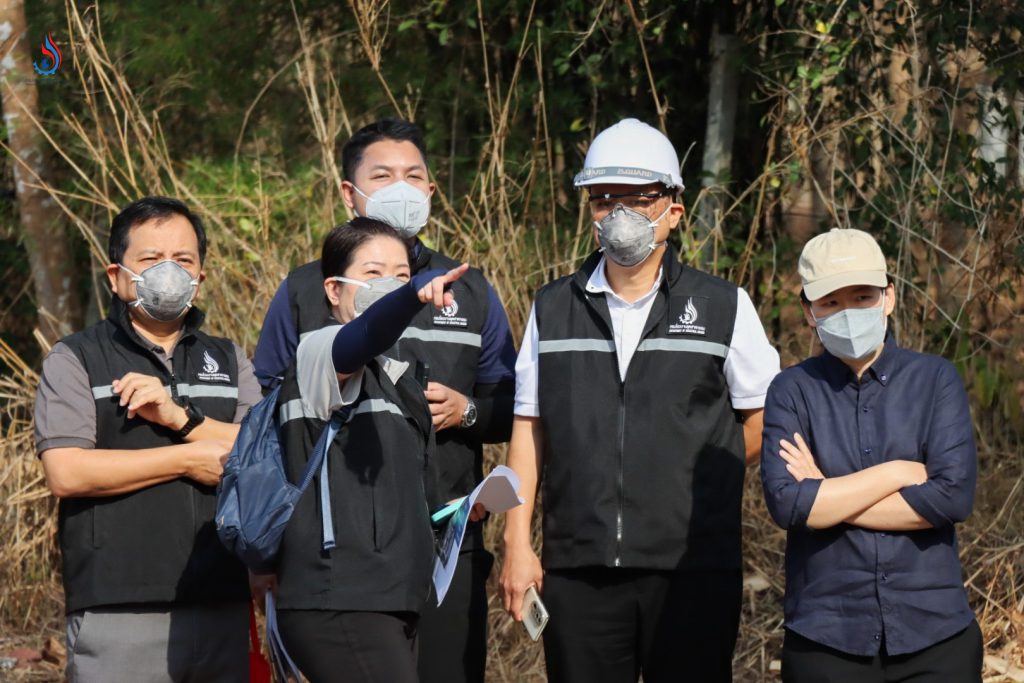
(261, 223)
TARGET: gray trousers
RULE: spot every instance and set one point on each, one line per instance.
(159, 644)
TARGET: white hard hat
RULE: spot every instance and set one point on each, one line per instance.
(630, 153)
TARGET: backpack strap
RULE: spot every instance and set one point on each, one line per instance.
(283, 664)
(319, 460)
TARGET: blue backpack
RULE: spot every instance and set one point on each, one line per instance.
(255, 500)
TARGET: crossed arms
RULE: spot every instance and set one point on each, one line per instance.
(897, 495)
(94, 472)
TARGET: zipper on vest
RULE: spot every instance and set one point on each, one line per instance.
(622, 443)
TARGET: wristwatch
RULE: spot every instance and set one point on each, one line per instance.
(468, 415)
(194, 417)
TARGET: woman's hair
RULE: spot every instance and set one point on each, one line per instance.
(343, 240)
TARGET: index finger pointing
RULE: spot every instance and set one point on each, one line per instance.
(455, 273)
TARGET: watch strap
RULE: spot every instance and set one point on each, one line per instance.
(195, 418)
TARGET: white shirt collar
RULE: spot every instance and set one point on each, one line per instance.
(598, 283)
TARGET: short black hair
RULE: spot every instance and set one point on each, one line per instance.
(343, 240)
(146, 209)
(399, 130)
(889, 280)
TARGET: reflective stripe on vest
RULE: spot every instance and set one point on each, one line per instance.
(195, 391)
(563, 345)
(296, 409)
(607, 346)
(440, 336)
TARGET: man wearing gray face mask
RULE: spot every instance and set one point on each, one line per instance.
(639, 388)
(869, 463)
(134, 418)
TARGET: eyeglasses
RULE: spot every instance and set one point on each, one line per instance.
(638, 201)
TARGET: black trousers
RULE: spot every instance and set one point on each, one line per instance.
(351, 647)
(610, 625)
(954, 660)
(453, 637)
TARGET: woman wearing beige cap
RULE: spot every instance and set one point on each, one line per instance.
(868, 462)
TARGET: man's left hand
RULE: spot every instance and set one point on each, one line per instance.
(147, 397)
(799, 459)
(446, 405)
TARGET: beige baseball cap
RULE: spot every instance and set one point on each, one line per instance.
(839, 258)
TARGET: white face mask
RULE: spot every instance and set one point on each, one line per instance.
(370, 291)
(164, 290)
(853, 333)
(627, 236)
(400, 205)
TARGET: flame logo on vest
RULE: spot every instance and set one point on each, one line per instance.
(209, 364)
(211, 370)
(689, 316)
(685, 321)
(51, 60)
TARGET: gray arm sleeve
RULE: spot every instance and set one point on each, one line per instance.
(65, 410)
(249, 392)
(317, 378)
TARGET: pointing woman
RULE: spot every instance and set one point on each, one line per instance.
(347, 607)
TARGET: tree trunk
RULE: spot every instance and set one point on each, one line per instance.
(46, 241)
(721, 126)
(993, 129)
(1018, 111)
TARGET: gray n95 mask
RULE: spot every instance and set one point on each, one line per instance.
(370, 291)
(627, 236)
(164, 291)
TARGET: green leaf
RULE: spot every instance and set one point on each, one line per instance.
(406, 25)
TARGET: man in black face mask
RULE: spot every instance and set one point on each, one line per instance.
(639, 388)
(134, 418)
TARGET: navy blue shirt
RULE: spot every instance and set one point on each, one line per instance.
(279, 339)
(851, 588)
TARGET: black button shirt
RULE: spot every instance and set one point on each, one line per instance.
(856, 589)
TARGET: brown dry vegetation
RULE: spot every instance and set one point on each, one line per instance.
(956, 281)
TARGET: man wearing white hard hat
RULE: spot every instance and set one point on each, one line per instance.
(869, 463)
(639, 392)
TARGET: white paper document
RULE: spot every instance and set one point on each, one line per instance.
(497, 493)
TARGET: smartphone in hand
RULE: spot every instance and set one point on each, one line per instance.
(423, 374)
(535, 615)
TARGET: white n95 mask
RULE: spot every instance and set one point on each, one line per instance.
(400, 205)
(853, 333)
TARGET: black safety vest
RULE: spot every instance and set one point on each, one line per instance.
(157, 544)
(379, 486)
(449, 340)
(646, 472)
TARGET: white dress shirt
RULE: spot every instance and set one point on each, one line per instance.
(750, 364)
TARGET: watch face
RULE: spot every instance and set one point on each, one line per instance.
(469, 417)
